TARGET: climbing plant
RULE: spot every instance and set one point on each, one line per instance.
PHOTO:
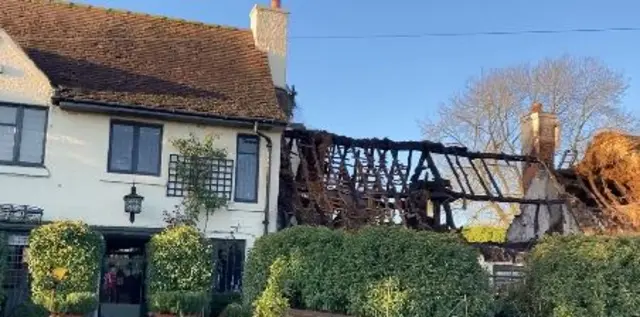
(195, 170)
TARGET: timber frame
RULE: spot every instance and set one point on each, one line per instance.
(341, 182)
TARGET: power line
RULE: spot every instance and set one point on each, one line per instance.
(469, 34)
(365, 36)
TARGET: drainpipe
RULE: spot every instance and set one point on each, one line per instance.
(267, 201)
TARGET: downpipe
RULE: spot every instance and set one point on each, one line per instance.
(267, 200)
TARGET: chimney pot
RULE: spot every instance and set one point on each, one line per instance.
(536, 107)
(275, 4)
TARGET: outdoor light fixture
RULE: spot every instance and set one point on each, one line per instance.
(133, 203)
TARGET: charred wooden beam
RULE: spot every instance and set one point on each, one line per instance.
(491, 178)
(434, 147)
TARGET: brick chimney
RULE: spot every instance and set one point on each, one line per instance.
(269, 27)
(540, 138)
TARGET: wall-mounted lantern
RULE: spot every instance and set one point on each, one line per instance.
(133, 203)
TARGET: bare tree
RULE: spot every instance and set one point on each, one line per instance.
(485, 116)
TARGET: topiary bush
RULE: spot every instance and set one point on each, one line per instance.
(179, 271)
(430, 274)
(583, 276)
(64, 263)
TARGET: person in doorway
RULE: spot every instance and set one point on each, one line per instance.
(120, 289)
(132, 284)
(110, 284)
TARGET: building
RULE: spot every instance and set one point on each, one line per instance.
(600, 189)
(90, 101)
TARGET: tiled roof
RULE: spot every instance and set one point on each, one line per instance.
(136, 59)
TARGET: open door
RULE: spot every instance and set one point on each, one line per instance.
(123, 279)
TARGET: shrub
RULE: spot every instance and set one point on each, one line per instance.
(584, 276)
(236, 310)
(485, 234)
(220, 301)
(180, 266)
(385, 299)
(29, 309)
(178, 302)
(272, 302)
(64, 262)
(432, 274)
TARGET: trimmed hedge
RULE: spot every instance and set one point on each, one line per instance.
(432, 274)
(76, 249)
(179, 271)
(578, 276)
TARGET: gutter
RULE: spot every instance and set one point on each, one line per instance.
(267, 200)
(161, 114)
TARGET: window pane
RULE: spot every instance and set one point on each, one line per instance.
(8, 115)
(121, 147)
(149, 150)
(248, 145)
(246, 177)
(32, 138)
(7, 141)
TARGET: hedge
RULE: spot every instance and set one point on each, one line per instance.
(75, 250)
(577, 276)
(424, 273)
(179, 271)
(485, 233)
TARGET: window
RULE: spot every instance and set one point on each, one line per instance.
(16, 275)
(22, 134)
(135, 148)
(247, 169)
(214, 173)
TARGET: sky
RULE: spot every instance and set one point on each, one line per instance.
(385, 87)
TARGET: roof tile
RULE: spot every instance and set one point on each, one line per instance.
(136, 59)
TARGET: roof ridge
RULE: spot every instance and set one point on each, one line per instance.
(143, 14)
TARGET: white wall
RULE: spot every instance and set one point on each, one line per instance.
(74, 183)
(523, 228)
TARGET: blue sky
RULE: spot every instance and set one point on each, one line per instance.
(383, 87)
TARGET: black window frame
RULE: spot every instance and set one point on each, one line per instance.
(134, 152)
(18, 136)
(257, 158)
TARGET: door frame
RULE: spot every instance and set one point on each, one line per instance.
(139, 234)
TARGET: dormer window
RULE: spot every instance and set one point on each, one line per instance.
(22, 134)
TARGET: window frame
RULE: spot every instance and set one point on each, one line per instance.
(135, 150)
(17, 142)
(257, 158)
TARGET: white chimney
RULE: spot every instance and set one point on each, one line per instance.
(540, 138)
(269, 27)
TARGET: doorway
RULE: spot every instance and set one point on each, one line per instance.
(123, 278)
